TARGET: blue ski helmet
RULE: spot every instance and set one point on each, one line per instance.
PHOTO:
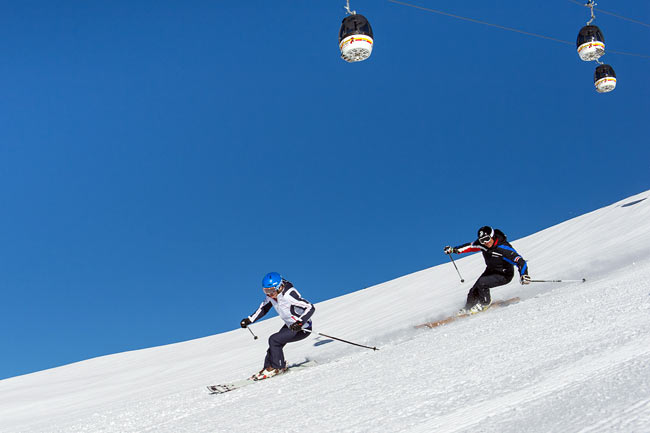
(272, 280)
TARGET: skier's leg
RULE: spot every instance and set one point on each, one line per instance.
(277, 341)
(472, 296)
(267, 359)
(486, 282)
(477, 293)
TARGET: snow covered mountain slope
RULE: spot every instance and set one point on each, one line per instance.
(569, 357)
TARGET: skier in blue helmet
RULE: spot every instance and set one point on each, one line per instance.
(296, 313)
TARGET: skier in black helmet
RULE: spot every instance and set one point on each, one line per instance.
(500, 260)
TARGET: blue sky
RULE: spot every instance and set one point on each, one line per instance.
(158, 158)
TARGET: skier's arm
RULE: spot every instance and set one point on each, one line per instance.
(301, 309)
(264, 308)
(471, 247)
(511, 256)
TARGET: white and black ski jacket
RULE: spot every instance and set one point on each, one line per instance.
(291, 307)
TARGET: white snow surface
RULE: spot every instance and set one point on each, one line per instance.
(571, 357)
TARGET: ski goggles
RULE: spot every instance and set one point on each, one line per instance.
(273, 290)
(484, 239)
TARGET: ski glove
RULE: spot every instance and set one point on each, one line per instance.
(449, 250)
(245, 322)
(296, 326)
(525, 279)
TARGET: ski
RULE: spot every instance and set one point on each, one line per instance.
(231, 386)
(495, 304)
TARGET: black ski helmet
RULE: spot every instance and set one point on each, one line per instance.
(485, 232)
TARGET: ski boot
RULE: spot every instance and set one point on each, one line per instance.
(268, 372)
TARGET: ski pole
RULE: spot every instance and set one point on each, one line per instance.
(454, 263)
(559, 281)
(253, 334)
(339, 339)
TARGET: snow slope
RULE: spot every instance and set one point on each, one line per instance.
(569, 357)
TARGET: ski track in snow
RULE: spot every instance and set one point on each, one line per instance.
(571, 357)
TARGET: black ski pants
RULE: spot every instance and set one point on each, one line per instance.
(480, 291)
(274, 354)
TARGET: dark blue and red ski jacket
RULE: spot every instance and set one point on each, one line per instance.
(501, 258)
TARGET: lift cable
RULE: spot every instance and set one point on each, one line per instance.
(613, 14)
(510, 29)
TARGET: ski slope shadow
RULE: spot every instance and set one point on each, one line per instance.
(632, 203)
